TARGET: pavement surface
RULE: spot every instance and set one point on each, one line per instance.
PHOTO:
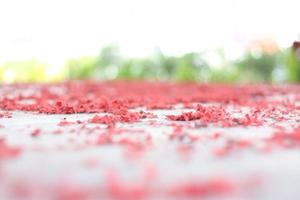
(82, 156)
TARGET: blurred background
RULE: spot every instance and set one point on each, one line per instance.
(240, 41)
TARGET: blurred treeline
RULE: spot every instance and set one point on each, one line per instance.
(263, 64)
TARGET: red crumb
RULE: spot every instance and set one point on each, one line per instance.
(64, 122)
(216, 136)
(104, 139)
(127, 117)
(36, 133)
(216, 115)
(57, 132)
(103, 119)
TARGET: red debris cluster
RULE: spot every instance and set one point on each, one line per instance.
(118, 96)
(209, 114)
(216, 115)
(119, 102)
(112, 119)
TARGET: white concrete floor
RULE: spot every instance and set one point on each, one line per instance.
(49, 159)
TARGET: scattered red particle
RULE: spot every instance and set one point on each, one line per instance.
(176, 132)
(159, 106)
(7, 151)
(221, 151)
(91, 162)
(216, 136)
(210, 114)
(66, 190)
(188, 105)
(5, 115)
(127, 117)
(267, 148)
(244, 143)
(286, 139)
(216, 115)
(202, 189)
(118, 100)
(107, 119)
(133, 152)
(185, 150)
(21, 189)
(150, 173)
(57, 132)
(130, 143)
(104, 139)
(279, 128)
(58, 104)
(64, 122)
(249, 120)
(232, 146)
(117, 189)
(148, 115)
(36, 133)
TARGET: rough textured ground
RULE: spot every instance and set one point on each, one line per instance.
(143, 140)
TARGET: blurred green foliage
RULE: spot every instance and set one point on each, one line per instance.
(27, 70)
(109, 64)
(293, 65)
(258, 67)
(81, 67)
(30, 70)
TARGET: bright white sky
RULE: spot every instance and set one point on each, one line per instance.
(53, 30)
